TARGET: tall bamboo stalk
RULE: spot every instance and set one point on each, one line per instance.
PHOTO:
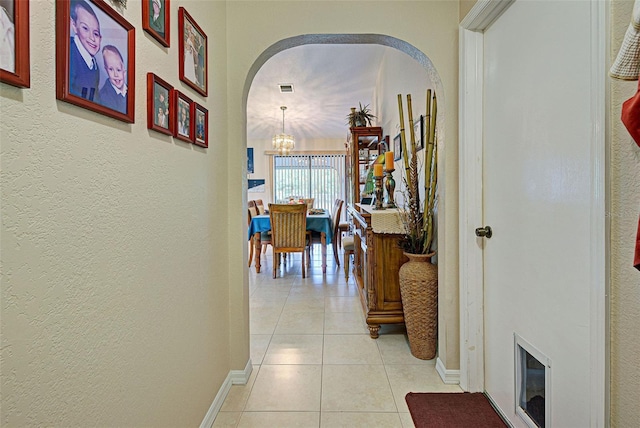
(402, 137)
(430, 181)
(427, 168)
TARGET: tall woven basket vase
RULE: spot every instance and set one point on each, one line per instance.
(419, 291)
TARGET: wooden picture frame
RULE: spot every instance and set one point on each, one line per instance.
(192, 53)
(159, 109)
(15, 69)
(201, 125)
(397, 148)
(156, 20)
(105, 40)
(182, 117)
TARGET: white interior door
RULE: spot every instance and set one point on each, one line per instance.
(542, 197)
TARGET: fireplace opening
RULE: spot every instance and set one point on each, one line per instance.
(533, 372)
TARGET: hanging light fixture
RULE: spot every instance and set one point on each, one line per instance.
(283, 143)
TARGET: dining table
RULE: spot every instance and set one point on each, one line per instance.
(316, 221)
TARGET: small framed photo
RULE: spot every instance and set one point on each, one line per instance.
(183, 118)
(418, 130)
(95, 58)
(202, 125)
(192, 53)
(159, 109)
(155, 20)
(397, 148)
(14, 51)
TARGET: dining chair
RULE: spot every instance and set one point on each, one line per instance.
(316, 237)
(288, 232)
(348, 247)
(265, 237)
(309, 202)
(260, 206)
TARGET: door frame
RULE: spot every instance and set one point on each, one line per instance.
(471, 83)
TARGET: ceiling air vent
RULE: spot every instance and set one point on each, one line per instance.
(285, 88)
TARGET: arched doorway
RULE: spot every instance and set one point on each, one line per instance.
(362, 39)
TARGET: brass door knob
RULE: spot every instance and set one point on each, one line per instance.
(484, 232)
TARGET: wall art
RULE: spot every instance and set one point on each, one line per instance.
(159, 108)
(192, 52)
(156, 20)
(14, 43)
(95, 58)
(183, 119)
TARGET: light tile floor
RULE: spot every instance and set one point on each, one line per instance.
(314, 364)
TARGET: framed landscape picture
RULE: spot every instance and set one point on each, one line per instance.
(250, 160)
(95, 58)
(14, 51)
(159, 108)
(201, 120)
(192, 53)
(155, 20)
(183, 117)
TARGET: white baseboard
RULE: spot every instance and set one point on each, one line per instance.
(498, 409)
(235, 377)
(451, 377)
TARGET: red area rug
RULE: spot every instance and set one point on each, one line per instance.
(452, 410)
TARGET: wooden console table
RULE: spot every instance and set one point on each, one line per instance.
(377, 260)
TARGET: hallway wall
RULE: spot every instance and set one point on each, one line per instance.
(115, 286)
(624, 188)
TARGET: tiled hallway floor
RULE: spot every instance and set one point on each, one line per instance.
(314, 364)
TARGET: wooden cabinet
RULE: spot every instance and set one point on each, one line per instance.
(377, 260)
(362, 150)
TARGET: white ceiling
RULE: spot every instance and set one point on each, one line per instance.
(327, 80)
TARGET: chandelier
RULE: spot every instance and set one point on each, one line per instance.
(283, 143)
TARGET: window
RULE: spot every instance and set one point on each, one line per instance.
(321, 177)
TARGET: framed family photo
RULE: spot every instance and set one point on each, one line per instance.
(201, 121)
(95, 58)
(159, 109)
(155, 20)
(192, 53)
(14, 43)
(183, 117)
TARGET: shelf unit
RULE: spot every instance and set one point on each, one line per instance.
(363, 148)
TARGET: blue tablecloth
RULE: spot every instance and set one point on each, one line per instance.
(315, 222)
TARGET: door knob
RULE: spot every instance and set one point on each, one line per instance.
(484, 232)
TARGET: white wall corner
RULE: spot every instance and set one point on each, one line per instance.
(450, 377)
(235, 377)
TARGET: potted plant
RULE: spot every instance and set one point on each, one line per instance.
(419, 277)
(360, 117)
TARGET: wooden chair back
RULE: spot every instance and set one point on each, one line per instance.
(309, 202)
(288, 231)
(260, 206)
(253, 208)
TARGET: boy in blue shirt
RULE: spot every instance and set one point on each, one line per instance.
(113, 93)
(84, 76)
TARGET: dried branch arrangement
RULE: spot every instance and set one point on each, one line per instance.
(417, 217)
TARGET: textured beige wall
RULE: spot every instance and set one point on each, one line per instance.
(624, 172)
(432, 27)
(465, 7)
(115, 296)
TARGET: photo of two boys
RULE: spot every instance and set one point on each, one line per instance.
(97, 66)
